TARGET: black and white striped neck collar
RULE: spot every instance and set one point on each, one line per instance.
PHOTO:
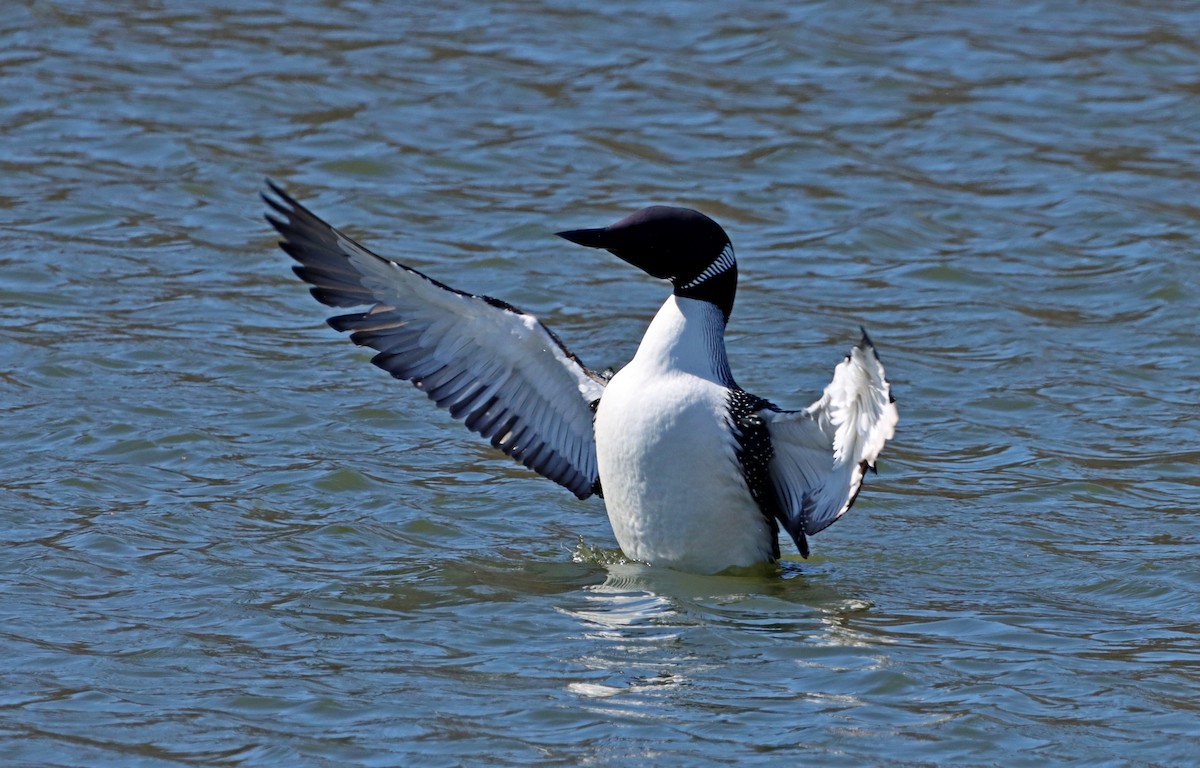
(717, 283)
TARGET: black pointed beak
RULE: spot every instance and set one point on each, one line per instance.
(606, 238)
(616, 241)
(592, 238)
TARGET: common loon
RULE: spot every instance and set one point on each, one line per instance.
(696, 473)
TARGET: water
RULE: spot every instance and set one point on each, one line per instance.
(229, 540)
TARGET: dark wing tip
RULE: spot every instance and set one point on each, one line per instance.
(279, 224)
(866, 342)
(278, 191)
(282, 204)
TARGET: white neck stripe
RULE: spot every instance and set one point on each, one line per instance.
(723, 264)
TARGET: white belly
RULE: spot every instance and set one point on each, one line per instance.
(671, 479)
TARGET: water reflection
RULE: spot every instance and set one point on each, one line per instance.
(653, 630)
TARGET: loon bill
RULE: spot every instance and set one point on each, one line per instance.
(696, 473)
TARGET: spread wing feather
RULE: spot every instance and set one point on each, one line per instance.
(496, 368)
(822, 452)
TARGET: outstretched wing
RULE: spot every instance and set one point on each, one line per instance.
(490, 364)
(822, 452)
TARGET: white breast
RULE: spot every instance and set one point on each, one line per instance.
(667, 456)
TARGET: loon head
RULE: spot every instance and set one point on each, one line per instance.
(677, 244)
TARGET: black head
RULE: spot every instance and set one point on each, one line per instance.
(676, 244)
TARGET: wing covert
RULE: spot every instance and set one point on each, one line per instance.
(493, 366)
